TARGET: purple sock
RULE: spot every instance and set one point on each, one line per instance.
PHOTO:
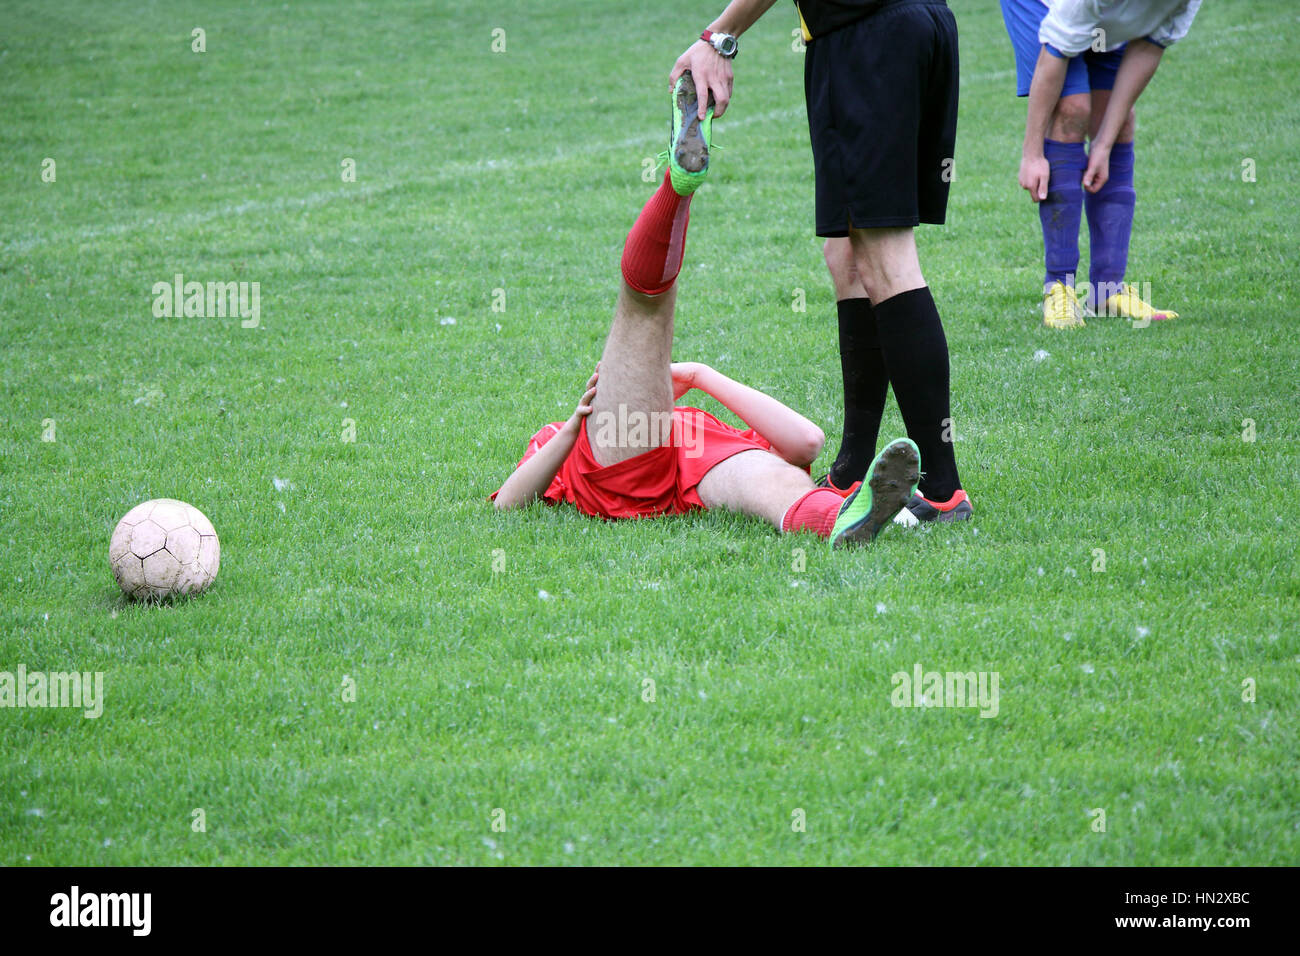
(1110, 224)
(1062, 210)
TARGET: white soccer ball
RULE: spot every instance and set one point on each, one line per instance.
(164, 547)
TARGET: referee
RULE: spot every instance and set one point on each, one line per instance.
(880, 78)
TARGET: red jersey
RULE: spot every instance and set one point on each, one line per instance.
(660, 481)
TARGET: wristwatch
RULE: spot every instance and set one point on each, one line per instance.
(724, 43)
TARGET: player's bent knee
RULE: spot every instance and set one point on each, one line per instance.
(1070, 121)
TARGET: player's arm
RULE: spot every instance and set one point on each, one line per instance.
(1141, 58)
(1044, 94)
(793, 437)
(710, 70)
(531, 479)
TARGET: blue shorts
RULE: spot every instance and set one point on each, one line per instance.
(1087, 71)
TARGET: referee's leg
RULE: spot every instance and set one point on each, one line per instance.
(914, 348)
(862, 368)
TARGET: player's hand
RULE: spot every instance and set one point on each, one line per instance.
(684, 376)
(1098, 171)
(711, 72)
(584, 403)
(1035, 171)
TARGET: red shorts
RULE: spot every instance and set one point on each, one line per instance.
(657, 482)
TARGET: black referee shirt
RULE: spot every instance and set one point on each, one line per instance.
(820, 17)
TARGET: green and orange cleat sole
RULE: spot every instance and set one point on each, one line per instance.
(891, 481)
(692, 138)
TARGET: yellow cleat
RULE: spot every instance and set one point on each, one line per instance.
(1061, 308)
(1127, 304)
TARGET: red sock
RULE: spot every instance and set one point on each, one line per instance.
(652, 255)
(816, 511)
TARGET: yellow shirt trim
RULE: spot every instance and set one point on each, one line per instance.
(807, 34)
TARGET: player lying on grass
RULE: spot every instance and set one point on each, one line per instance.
(628, 452)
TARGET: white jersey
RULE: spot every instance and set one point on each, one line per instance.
(1073, 26)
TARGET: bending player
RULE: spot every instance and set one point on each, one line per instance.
(1083, 67)
(628, 452)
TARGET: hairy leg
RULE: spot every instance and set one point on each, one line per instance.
(1071, 117)
(756, 483)
(632, 410)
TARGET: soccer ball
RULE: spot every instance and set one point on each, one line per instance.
(164, 547)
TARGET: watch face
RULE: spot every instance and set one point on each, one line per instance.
(727, 45)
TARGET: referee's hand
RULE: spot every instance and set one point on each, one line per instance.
(711, 72)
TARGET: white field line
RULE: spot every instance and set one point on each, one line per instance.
(459, 170)
(447, 172)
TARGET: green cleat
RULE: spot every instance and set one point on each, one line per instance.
(891, 481)
(688, 150)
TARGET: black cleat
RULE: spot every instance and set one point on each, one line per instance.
(920, 509)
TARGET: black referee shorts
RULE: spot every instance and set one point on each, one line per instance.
(882, 111)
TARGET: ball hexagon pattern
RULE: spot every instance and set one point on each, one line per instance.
(164, 547)
(169, 514)
(183, 543)
(146, 538)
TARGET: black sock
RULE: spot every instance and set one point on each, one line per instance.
(865, 388)
(916, 355)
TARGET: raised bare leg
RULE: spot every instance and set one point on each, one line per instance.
(632, 410)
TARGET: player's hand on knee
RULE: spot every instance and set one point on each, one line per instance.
(584, 403)
(711, 72)
(1098, 171)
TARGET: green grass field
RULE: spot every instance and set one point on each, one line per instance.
(501, 660)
